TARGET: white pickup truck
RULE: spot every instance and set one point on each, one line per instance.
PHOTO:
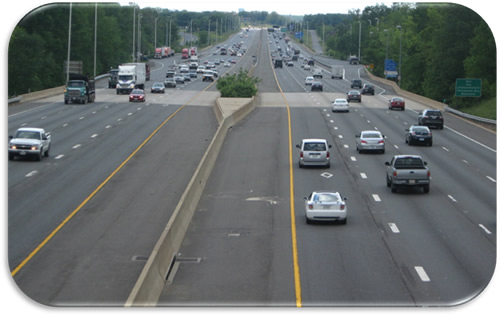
(408, 171)
(29, 142)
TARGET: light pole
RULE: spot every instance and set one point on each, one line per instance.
(400, 46)
(359, 43)
(69, 42)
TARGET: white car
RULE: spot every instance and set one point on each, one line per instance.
(307, 67)
(309, 80)
(340, 105)
(325, 206)
(370, 140)
(201, 69)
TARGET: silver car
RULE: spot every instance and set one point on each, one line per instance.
(370, 140)
(325, 206)
(314, 152)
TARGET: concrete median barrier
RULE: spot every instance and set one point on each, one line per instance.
(152, 279)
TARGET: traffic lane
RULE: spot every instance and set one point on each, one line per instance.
(241, 228)
(439, 157)
(92, 260)
(71, 126)
(332, 273)
(441, 207)
(61, 184)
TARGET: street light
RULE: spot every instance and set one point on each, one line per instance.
(400, 44)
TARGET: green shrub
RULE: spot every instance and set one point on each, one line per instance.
(237, 85)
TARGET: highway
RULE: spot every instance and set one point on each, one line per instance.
(117, 170)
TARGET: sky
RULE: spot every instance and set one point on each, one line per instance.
(283, 7)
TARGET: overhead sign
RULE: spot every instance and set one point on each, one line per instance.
(299, 35)
(468, 87)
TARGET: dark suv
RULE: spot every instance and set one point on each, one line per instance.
(317, 86)
(356, 84)
(431, 118)
(368, 89)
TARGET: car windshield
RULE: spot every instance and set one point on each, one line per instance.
(76, 84)
(23, 134)
(137, 92)
(325, 198)
(340, 101)
(158, 85)
(126, 77)
(397, 99)
(315, 146)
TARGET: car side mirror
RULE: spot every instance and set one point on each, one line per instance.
(357, 136)
(11, 137)
(297, 146)
(330, 146)
(425, 163)
(345, 198)
(407, 129)
(387, 163)
(305, 198)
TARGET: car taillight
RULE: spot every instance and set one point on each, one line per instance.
(342, 207)
(328, 155)
(310, 207)
(428, 173)
(395, 173)
(381, 141)
(301, 154)
(363, 141)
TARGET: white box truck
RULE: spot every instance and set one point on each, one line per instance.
(337, 72)
(131, 76)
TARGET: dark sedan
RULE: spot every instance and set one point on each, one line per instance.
(354, 96)
(158, 87)
(418, 135)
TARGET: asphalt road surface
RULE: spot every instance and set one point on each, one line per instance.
(83, 221)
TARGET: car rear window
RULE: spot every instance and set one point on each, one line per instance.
(371, 135)
(326, 198)
(314, 146)
(409, 163)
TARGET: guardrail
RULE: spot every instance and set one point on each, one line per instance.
(468, 116)
(45, 93)
(430, 102)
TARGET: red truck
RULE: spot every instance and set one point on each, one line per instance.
(185, 53)
(193, 51)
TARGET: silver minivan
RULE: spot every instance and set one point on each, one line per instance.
(314, 152)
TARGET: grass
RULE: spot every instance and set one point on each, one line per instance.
(485, 109)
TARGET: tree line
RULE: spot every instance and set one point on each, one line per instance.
(438, 43)
(38, 45)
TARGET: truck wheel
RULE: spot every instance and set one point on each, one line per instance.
(426, 188)
(394, 188)
(39, 156)
(47, 152)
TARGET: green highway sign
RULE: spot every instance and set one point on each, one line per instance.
(468, 88)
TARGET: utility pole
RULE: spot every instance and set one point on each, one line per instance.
(69, 42)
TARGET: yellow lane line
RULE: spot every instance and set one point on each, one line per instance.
(74, 212)
(296, 269)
